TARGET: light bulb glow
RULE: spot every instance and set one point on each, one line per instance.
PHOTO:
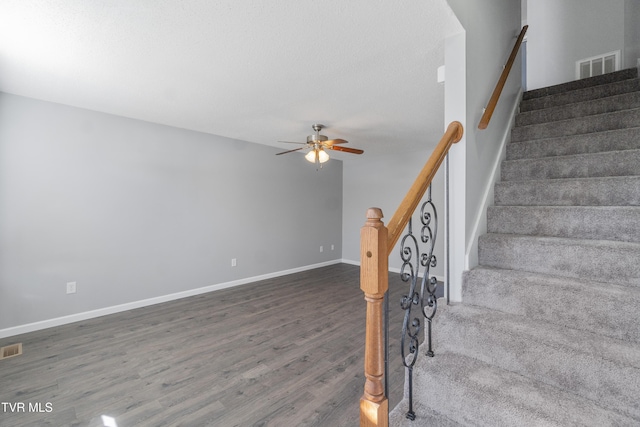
(311, 156)
(323, 156)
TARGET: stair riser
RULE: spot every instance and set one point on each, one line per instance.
(619, 223)
(624, 139)
(574, 369)
(565, 112)
(602, 308)
(615, 262)
(616, 163)
(604, 79)
(578, 126)
(580, 95)
(609, 191)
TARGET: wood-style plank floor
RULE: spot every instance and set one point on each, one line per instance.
(281, 352)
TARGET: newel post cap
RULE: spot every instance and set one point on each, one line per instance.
(374, 214)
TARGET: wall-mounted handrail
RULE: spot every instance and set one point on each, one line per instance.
(493, 101)
(376, 243)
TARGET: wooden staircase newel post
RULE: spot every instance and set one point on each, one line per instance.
(374, 282)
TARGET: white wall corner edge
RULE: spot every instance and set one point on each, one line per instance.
(64, 320)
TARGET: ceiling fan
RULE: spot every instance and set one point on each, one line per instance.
(318, 144)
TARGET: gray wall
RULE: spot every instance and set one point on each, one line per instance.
(562, 32)
(631, 33)
(382, 182)
(132, 210)
(490, 31)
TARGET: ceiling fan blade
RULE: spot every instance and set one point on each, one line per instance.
(345, 149)
(335, 141)
(291, 151)
(291, 142)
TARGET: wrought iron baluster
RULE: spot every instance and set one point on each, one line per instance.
(428, 261)
(425, 296)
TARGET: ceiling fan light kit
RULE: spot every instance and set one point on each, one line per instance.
(317, 154)
(318, 145)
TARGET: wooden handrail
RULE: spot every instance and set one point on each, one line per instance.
(376, 242)
(408, 205)
(493, 101)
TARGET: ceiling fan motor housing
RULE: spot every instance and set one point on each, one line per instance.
(312, 139)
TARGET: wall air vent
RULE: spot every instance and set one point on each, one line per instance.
(10, 351)
(598, 65)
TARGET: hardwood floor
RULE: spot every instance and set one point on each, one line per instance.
(281, 352)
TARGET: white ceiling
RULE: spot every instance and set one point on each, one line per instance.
(254, 70)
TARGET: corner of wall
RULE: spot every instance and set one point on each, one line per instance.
(456, 109)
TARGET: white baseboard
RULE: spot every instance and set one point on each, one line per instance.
(391, 269)
(58, 321)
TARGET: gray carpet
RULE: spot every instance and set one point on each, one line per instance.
(548, 333)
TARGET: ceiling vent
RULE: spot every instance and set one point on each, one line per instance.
(10, 351)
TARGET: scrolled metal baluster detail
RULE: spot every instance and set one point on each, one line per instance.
(429, 302)
(425, 297)
(411, 327)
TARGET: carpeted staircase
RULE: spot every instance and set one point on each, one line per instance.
(549, 330)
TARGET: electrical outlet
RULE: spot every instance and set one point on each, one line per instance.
(321, 249)
(71, 287)
(332, 247)
(233, 262)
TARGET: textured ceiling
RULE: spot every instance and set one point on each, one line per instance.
(255, 70)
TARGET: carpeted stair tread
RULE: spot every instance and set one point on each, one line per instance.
(548, 332)
(599, 260)
(602, 369)
(597, 306)
(578, 126)
(613, 140)
(475, 393)
(579, 95)
(619, 223)
(626, 74)
(609, 104)
(611, 163)
(600, 191)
